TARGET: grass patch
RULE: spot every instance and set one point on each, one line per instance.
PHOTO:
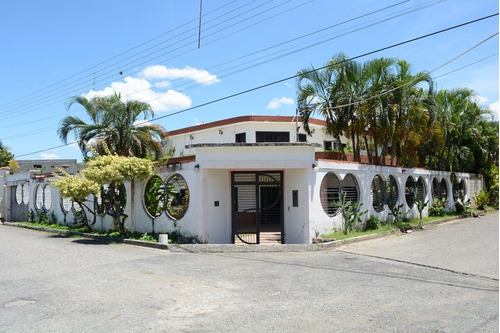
(115, 234)
(338, 234)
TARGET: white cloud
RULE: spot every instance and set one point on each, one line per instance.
(276, 103)
(480, 99)
(49, 156)
(494, 107)
(162, 72)
(141, 89)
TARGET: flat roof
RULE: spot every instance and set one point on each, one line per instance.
(242, 119)
(259, 144)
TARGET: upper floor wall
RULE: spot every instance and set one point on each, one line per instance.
(249, 129)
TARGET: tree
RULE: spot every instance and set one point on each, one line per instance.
(5, 155)
(78, 189)
(115, 124)
(318, 91)
(108, 172)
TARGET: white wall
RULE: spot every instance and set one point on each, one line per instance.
(297, 218)
(321, 223)
(212, 135)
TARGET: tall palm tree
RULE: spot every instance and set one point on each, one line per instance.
(317, 92)
(115, 124)
(414, 112)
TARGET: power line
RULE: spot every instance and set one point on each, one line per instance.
(313, 70)
(430, 3)
(468, 65)
(114, 72)
(122, 53)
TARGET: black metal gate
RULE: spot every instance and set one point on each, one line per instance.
(257, 205)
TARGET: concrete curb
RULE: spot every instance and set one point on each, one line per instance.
(232, 248)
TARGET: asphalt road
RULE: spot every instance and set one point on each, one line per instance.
(443, 279)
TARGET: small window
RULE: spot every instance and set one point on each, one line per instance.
(37, 166)
(333, 145)
(241, 138)
(302, 137)
(272, 136)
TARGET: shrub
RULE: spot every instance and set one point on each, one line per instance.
(437, 209)
(481, 199)
(372, 223)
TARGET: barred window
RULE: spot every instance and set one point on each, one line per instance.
(329, 193)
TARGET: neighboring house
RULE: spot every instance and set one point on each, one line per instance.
(232, 180)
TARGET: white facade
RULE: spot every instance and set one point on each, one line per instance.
(214, 203)
(225, 131)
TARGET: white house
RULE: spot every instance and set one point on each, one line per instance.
(234, 179)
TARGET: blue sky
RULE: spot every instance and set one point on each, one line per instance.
(148, 50)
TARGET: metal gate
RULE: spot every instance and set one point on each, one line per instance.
(257, 205)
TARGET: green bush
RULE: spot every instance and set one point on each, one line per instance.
(437, 209)
(372, 223)
(481, 199)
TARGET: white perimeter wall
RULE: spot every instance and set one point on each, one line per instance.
(321, 223)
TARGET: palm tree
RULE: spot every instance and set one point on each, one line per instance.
(414, 113)
(318, 91)
(114, 124)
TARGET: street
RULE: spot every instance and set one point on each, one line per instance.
(442, 279)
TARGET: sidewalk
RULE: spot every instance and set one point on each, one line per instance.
(232, 248)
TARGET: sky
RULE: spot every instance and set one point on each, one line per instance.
(157, 51)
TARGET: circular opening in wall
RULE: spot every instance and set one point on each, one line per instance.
(462, 190)
(66, 204)
(19, 194)
(177, 197)
(443, 191)
(350, 188)
(47, 197)
(410, 191)
(39, 197)
(329, 193)
(378, 193)
(435, 190)
(154, 196)
(392, 190)
(421, 190)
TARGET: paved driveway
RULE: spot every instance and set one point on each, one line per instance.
(441, 279)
